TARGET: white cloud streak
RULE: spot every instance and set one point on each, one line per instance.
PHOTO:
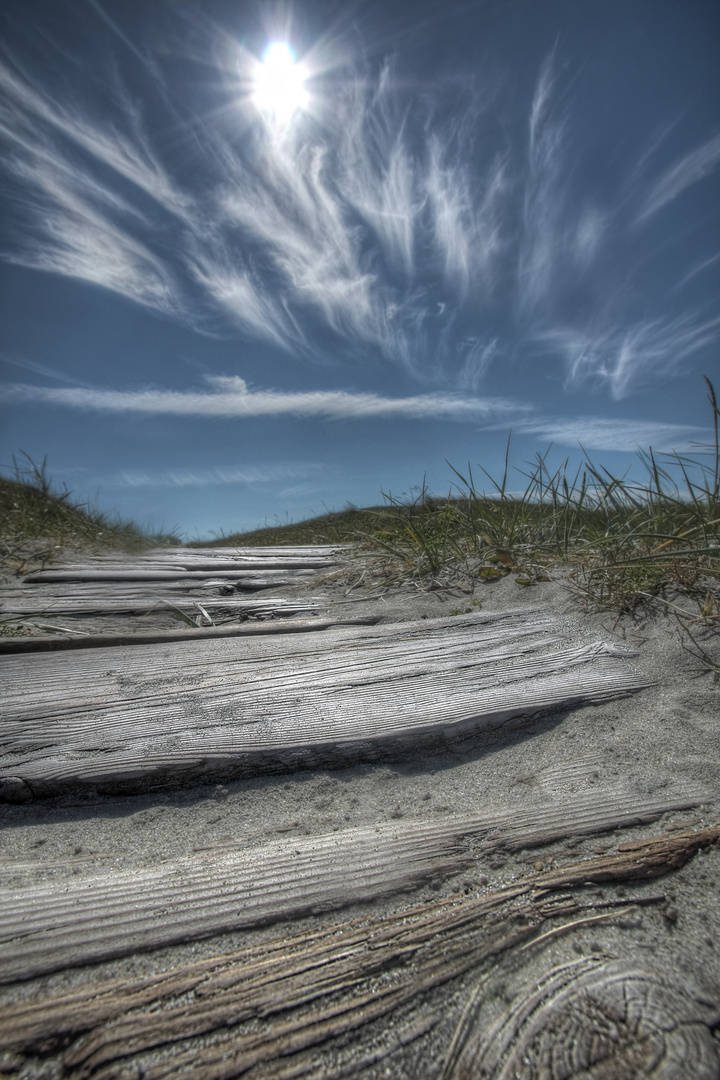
(479, 355)
(246, 475)
(379, 175)
(697, 268)
(544, 195)
(562, 232)
(125, 153)
(81, 241)
(230, 397)
(468, 218)
(384, 231)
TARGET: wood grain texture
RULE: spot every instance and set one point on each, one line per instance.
(283, 1003)
(115, 584)
(186, 554)
(49, 927)
(126, 601)
(113, 717)
(245, 629)
(182, 560)
(277, 573)
(593, 1017)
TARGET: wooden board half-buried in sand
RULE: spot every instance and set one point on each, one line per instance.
(120, 718)
(174, 562)
(117, 585)
(228, 887)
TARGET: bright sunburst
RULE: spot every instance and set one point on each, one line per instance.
(279, 83)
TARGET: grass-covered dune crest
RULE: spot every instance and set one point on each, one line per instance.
(38, 521)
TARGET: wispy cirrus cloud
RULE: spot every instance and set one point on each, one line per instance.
(379, 172)
(687, 170)
(600, 433)
(695, 269)
(28, 111)
(478, 357)
(229, 396)
(468, 218)
(390, 229)
(544, 194)
(71, 219)
(617, 354)
(80, 240)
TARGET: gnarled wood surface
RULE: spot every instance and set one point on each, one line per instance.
(112, 600)
(117, 717)
(593, 1018)
(197, 562)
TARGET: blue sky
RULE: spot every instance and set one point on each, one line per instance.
(222, 306)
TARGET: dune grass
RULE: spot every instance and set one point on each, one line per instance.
(625, 544)
(37, 521)
(346, 526)
(621, 538)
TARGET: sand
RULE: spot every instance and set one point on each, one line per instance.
(667, 733)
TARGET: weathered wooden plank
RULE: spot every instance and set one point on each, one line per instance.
(293, 981)
(633, 859)
(312, 557)
(117, 584)
(227, 562)
(113, 717)
(203, 586)
(280, 980)
(129, 603)
(246, 570)
(49, 927)
(103, 641)
(49, 594)
(280, 550)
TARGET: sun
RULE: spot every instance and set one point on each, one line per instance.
(279, 83)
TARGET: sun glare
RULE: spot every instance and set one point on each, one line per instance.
(279, 84)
